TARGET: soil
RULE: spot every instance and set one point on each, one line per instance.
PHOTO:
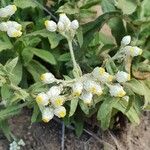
(41, 136)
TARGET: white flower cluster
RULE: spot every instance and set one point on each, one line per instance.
(12, 28)
(16, 145)
(7, 11)
(51, 102)
(85, 88)
(130, 50)
(64, 26)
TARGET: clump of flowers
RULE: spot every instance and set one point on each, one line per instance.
(84, 87)
(12, 28)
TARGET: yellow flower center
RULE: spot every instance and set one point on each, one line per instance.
(76, 93)
(140, 51)
(58, 101)
(39, 99)
(93, 90)
(42, 77)
(46, 23)
(46, 120)
(16, 34)
(121, 93)
(14, 7)
(110, 78)
(132, 50)
(101, 71)
(62, 114)
(129, 77)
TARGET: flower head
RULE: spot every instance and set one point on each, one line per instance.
(92, 87)
(57, 101)
(86, 97)
(8, 11)
(117, 90)
(47, 114)
(126, 40)
(47, 78)
(132, 51)
(12, 32)
(51, 25)
(54, 91)
(42, 99)
(65, 20)
(122, 76)
(77, 88)
(60, 111)
(74, 25)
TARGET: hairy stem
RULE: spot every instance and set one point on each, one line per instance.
(75, 66)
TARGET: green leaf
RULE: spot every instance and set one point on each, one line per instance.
(64, 57)
(10, 111)
(6, 92)
(4, 126)
(16, 76)
(54, 39)
(145, 8)
(131, 113)
(79, 123)
(135, 86)
(27, 55)
(25, 3)
(105, 111)
(80, 36)
(73, 106)
(84, 107)
(35, 113)
(10, 65)
(36, 69)
(45, 55)
(5, 46)
(127, 6)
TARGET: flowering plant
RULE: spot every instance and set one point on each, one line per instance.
(69, 69)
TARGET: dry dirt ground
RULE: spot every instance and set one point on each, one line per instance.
(40, 136)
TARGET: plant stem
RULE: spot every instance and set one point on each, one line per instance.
(72, 55)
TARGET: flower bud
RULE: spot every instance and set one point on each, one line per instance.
(47, 114)
(106, 77)
(60, 111)
(12, 32)
(74, 25)
(51, 25)
(126, 40)
(8, 11)
(92, 87)
(47, 78)
(11, 9)
(57, 101)
(61, 26)
(122, 77)
(14, 24)
(133, 51)
(117, 90)
(86, 97)
(65, 20)
(54, 91)
(42, 99)
(77, 88)
(3, 26)
(97, 72)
